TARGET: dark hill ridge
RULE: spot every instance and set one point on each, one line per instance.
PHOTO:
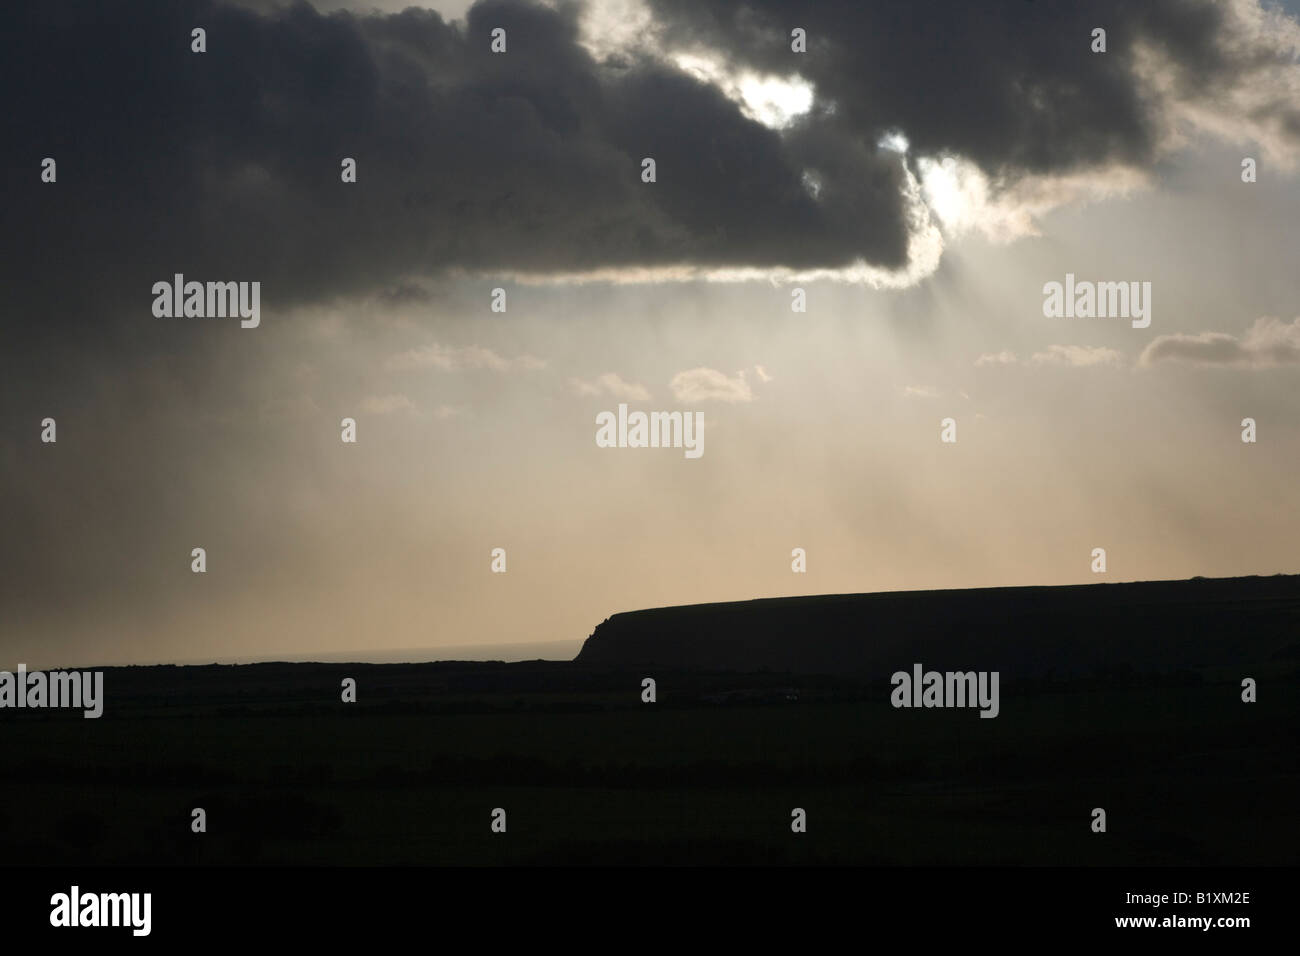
(1066, 631)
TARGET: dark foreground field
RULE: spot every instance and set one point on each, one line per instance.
(1188, 774)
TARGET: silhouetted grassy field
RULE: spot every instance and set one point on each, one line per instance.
(587, 773)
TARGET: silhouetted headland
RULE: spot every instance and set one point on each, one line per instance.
(1027, 632)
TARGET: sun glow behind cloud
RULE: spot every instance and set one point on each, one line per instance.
(775, 101)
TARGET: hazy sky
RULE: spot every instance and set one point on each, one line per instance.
(921, 172)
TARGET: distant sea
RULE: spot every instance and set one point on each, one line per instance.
(526, 651)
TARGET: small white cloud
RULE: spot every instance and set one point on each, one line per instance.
(921, 391)
(1074, 356)
(762, 374)
(1269, 343)
(386, 404)
(996, 358)
(707, 384)
(611, 384)
(1077, 356)
(451, 358)
(443, 412)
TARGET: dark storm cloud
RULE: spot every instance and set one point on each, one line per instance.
(226, 165)
(1012, 85)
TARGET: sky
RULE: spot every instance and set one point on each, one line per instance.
(921, 172)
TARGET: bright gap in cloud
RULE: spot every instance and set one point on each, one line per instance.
(894, 141)
(775, 101)
(955, 190)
